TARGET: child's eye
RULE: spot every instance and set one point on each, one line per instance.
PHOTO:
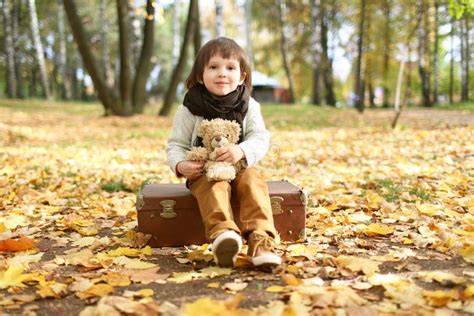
(212, 67)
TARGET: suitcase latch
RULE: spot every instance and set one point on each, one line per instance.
(276, 205)
(140, 202)
(168, 209)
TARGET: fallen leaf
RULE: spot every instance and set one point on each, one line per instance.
(133, 263)
(468, 253)
(13, 276)
(440, 298)
(442, 277)
(116, 279)
(356, 264)
(276, 289)
(13, 245)
(97, 290)
(235, 286)
(378, 229)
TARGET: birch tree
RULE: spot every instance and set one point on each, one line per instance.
(436, 53)
(387, 7)
(178, 70)
(104, 45)
(316, 17)
(9, 52)
(248, 30)
(65, 83)
(176, 32)
(282, 13)
(219, 18)
(359, 84)
(38, 48)
(422, 53)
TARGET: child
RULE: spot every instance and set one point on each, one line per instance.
(219, 87)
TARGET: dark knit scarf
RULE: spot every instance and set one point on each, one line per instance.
(232, 106)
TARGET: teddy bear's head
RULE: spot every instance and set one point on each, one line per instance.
(218, 132)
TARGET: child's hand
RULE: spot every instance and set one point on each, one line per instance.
(230, 154)
(190, 169)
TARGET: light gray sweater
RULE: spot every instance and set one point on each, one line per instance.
(256, 136)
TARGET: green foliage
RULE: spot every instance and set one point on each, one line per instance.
(115, 186)
(389, 189)
(457, 8)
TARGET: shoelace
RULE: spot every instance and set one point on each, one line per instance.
(265, 241)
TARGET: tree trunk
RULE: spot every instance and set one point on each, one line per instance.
(176, 32)
(39, 49)
(106, 96)
(316, 40)
(422, 52)
(327, 70)
(451, 63)
(435, 54)
(386, 52)
(282, 12)
(359, 85)
(9, 50)
(65, 84)
(134, 31)
(219, 19)
(368, 61)
(176, 76)
(144, 64)
(125, 58)
(465, 58)
(248, 30)
(104, 46)
(16, 10)
(197, 32)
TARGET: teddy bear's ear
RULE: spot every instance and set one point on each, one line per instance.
(203, 128)
(233, 130)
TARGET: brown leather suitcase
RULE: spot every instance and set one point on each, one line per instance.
(171, 215)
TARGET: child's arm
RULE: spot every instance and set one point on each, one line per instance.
(181, 137)
(256, 138)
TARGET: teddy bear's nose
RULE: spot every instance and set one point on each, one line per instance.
(218, 138)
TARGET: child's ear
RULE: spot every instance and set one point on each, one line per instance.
(242, 78)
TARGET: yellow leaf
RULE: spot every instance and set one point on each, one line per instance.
(99, 290)
(469, 291)
(181, 277)
(205, 306)
(213, 285)
(84, 242)
(356, 264)
(378, 229)
(52, 289)
(133, 263)
(440, 298)
(290, 279)
(116, 279)
(359, 217)
(276, 289)
(427, 209)
(13, 277)
(2, 228)
(468, 253)
(130, 252)
(212, 272)
(444, 278)
(14, 220)
(140, 293)
(374, 200)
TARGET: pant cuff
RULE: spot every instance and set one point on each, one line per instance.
(226, 225)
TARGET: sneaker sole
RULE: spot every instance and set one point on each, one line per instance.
(266, 261)
(225, 253)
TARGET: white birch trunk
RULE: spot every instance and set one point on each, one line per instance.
(105, 54)
(219, 19)
(176, 32)
(316, 49)
(11, 77)
(284, 47)
(39, 48)
(248, 29)
(66, 86)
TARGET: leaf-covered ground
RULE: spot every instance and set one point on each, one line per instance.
(390, 220)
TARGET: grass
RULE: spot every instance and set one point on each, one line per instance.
(115, 186)
(276, 116)
(459, 106)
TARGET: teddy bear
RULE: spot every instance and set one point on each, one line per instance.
(216, 133)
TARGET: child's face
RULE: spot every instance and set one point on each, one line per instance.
(222, 76)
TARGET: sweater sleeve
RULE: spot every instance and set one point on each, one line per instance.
(181, 137)
(256, 138)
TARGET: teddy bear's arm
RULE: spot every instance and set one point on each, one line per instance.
(197, 154)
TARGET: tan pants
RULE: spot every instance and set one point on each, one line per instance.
(214, 203)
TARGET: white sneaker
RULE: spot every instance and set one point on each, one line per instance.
(226, 247)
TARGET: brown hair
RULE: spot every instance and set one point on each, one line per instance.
(225, 47)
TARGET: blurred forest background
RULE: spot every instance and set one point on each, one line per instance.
(128, 54)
